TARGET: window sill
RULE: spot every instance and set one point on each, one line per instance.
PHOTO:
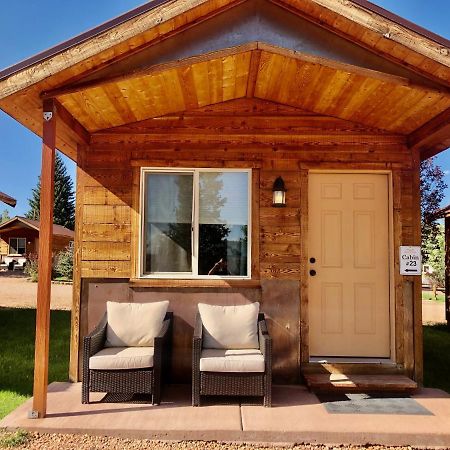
(177, 283)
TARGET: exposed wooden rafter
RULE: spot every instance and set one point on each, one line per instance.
(7, 199)
(67, 119)
(433, 137)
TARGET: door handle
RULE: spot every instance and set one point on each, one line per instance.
(312, 273)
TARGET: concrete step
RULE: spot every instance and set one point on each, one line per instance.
(358, 383)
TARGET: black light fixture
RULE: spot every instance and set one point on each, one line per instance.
(279, 193)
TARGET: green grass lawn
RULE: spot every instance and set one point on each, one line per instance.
(436, 349)
(17, 330)
(428, 295)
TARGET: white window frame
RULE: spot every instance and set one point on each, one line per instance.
(17, 238)
(195, 223)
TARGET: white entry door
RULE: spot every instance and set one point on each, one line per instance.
(349, 265)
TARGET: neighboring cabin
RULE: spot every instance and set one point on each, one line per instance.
(19, 237)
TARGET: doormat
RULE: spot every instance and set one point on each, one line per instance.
(372, 404)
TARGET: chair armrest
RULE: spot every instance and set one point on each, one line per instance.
(95, 340)
(197, 338)
(163, 350)
(164, 333)
(198, 330)
(164, 329)
(265, 341)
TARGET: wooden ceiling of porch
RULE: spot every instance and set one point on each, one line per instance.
(262, 71)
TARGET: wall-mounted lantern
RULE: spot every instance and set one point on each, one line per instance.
(279, 193)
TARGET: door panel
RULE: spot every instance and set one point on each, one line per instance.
(349, 238)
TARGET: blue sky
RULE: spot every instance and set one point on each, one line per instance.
(28, 27)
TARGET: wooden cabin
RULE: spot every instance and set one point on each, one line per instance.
(19, 237)
(181, 115)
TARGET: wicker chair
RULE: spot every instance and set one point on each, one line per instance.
(132, 381)
(252, 384)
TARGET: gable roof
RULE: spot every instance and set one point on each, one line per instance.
(23, 86)
(58, 230)
(150, 6)
(7, 199)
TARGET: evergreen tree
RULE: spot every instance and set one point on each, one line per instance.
(64, 203)
(5, 216)
(432, 191)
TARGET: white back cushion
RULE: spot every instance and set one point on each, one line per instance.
(134, 324)
(230, 327)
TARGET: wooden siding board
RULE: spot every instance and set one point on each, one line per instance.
(103, 214)
(304, 302)
(74, 373)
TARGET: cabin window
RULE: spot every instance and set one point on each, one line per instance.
(196, 223)
(17, 246)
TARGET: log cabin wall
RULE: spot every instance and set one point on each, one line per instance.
(27, 233)
(4, 247)
(274, 141)
(32, 237)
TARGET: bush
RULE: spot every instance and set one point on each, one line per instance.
(13, 438)
(31, 267)
(64, 263)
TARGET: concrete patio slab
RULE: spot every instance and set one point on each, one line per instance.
(297, 416)
(175, 418)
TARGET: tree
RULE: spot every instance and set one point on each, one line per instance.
(436, 260)
(5, 216)
(64, 203)
(432, 187)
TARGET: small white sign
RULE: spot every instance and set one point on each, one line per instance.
(410, 260)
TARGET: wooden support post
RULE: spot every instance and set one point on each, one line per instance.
(45, 261)
(417, 281)
(447, 270)
(74, 364)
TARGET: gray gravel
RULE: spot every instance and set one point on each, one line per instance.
(41, 441)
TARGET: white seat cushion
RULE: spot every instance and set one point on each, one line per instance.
(134, 324)
(222, 360)
(230, 327)
(119, 358)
